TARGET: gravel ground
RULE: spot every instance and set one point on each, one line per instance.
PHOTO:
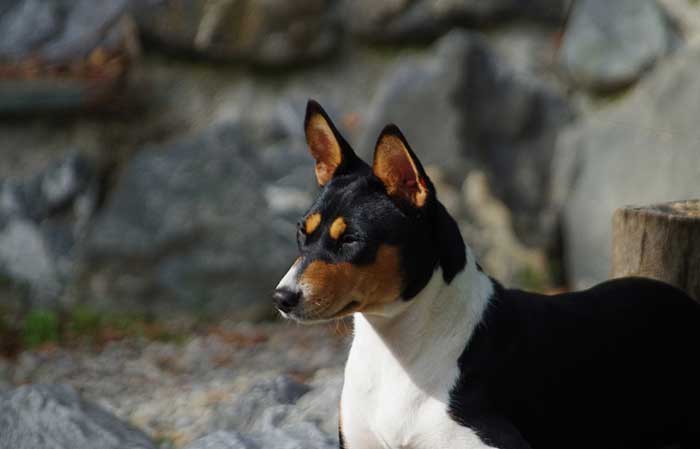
(174, 390)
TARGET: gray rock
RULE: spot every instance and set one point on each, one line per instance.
(270, 33)
(404, 20)
(489, 232)
(319, 406)
(87, 25)
(685, 18)
(608, 45)
(55, 417)
(188, 228)
(58, 55)
(225, 440)
(54, 188)
(273, 440)
(395, 21)
(244, 413)
(5, 367)
(466, 109)
(280, 413)
(26, 25)
(641, 150)
(57, 31)
(42, 219)
(26, 259)
(283, 403)
(166, 390)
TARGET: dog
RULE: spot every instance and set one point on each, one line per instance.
(445, 357)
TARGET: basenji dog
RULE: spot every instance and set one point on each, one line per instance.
(445, 357)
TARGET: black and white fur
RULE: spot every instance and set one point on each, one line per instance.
(457, 361)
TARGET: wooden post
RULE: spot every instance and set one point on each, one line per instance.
(661, 242)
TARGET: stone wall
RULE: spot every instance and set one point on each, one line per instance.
(153, 160)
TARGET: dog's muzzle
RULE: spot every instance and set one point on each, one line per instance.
(286, 299)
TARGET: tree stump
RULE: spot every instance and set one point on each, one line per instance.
(661, 242)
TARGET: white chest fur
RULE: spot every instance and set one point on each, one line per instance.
(403, 364)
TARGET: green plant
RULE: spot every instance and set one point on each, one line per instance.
(531, 279)
(84, 321)
(40, 326)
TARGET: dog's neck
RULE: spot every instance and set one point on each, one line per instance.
(429, 331)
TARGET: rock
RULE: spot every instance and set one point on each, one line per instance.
(186, 97)
(489, 232)
(640, 150)
(608, 45)
(25, 258)
(41, 221)
(5, 384)
(280, 413)
(468, 109)
(58, 55)
(59, 184)
(281, 402)
(268, 33)
(244, 413)
(188, 228)
(395, 20)
(274, 440)
(399, 21)
(177, 397)
(529, 51)
(26, 25)
(319, 406)
(225, 440)
(55, 417)
(685, 16)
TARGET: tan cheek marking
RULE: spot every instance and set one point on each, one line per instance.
(326, 282)
(379, 282)
(337, 228)
(312, 222)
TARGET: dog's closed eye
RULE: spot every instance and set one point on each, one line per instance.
(349, 239)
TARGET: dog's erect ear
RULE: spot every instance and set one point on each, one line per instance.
(331, 152)
(399, 169)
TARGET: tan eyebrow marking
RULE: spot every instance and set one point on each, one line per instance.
(312, 222)
(337, 228)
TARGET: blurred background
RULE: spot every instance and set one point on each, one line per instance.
(153, 166)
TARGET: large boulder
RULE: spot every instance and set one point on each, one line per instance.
(265, 32)
(202, 224)
(57, 55)
(281, 402)
(461, 106)
(277, 439)
(5, 367)
(244, 413)
(42, 220)
(279, 413)
(609, 44)
(56, 417)
(59, 32)
(685, 17)
(405, 20)
(642, 149)
(488, 229)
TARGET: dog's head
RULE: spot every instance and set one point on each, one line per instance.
(373, 237)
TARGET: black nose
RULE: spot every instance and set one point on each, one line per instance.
(286, 299)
